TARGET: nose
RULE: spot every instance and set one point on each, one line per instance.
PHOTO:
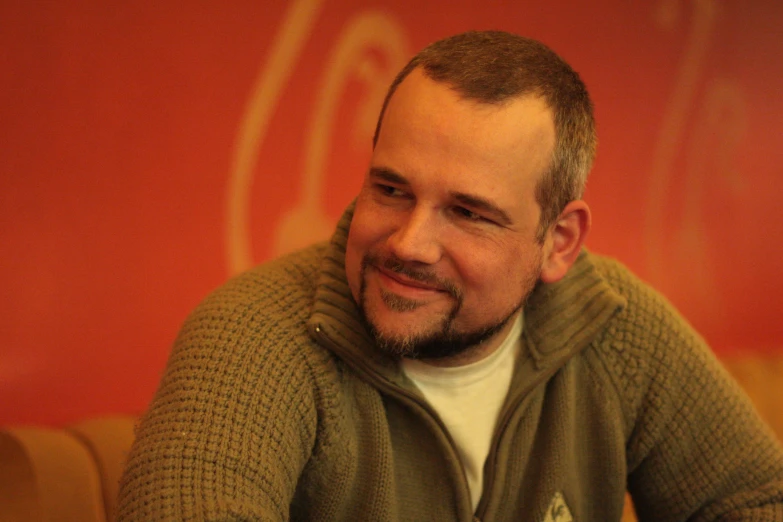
(416, 238)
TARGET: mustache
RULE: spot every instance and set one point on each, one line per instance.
(396, 265)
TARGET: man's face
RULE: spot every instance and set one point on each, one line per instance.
(442, 248)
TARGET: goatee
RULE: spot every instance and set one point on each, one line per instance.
(442, 340)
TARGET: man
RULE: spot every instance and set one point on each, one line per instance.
(453, 353)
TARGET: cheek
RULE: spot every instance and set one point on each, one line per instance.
(496, 271)
(366, 230)
(353, 262)
(371, 224)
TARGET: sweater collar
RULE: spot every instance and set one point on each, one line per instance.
(335, 321)
(560, 319)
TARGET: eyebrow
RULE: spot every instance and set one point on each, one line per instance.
(388, 175)
(470, 200)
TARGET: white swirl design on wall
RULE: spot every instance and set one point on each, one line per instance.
(349, 59)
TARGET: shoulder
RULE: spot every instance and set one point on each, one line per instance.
(246, 347)
(276, 294)
(625, 282)
(648, 350)
(683, 413)
(279, 286)
(648, 327)
(242, 392)
(257, 319)
(647, 315)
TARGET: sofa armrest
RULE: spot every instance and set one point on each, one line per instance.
(49, 474)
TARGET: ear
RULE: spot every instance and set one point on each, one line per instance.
(564, 241)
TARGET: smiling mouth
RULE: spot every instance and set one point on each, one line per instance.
(397, 277)
(406, 281)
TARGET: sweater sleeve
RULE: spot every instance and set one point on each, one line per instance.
(234, 420)
(696, 449)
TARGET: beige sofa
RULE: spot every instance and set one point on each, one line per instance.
(69, 474)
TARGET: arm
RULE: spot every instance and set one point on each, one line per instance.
(698, 451)
(231, 426)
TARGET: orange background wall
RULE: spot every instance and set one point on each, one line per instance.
(149, 150)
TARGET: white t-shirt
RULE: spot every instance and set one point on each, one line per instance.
(468, 400)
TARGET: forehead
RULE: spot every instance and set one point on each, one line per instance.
(432, 133)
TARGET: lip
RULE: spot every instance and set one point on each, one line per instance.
(400, 284)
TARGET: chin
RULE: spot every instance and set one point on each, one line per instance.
(410, 324)
(400, 334)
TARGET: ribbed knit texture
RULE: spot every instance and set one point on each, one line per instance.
(275, 405)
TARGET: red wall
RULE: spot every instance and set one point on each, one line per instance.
(148, 151)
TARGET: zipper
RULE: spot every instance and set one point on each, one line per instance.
(408, 399)
(508, 413)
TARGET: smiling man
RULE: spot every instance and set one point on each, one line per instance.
(442, 250)
(453, 353)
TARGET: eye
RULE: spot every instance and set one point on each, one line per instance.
(467, 214)
(390, 191)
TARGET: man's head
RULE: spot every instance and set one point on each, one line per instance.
(494, 66)
(446, 241)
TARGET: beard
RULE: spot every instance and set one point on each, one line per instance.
(442, 339)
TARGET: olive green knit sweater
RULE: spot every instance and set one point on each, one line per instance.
(276, 406)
